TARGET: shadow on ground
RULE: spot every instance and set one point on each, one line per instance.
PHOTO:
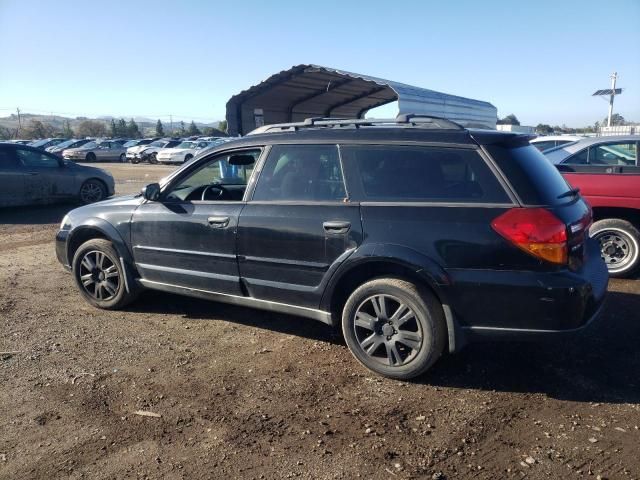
(38, 215)
(598, 365)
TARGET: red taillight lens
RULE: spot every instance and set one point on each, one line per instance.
(536, 231)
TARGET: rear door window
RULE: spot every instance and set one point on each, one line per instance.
(420, 174)
(8, 161)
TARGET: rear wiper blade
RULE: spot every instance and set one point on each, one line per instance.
(569, 193)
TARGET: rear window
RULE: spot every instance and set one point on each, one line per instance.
(535, 179)
(422, 174)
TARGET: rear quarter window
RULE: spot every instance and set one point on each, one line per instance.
(420, 174)
(535, 179)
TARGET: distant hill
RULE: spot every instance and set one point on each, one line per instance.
(147, 125)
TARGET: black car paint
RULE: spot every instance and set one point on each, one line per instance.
(278, 256)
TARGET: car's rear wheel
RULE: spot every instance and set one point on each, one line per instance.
(99, 275)
(123, 158)
(92, 191)
(91, 157)
(619, 245)
(394, 327)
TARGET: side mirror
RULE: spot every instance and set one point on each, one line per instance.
(151, 192)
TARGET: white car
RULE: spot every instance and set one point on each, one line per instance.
(149, 152)
(183, 152)
(551, 141)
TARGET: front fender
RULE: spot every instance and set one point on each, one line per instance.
(105, 229)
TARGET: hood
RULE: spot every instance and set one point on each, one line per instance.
(87, 170)
(174, 151)
(137, 148)
(78, 149)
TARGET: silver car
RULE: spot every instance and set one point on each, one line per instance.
(103, 151)
(29, 176)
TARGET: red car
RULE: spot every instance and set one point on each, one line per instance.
(606, 171)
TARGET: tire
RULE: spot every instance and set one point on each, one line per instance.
(424, 331)
(153, 159)
(619, 245)
(92, 191)
(91, 157)
(123, 158)
(96, 268)
(187, 157)
(135, 161)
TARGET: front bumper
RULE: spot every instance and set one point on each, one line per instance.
(61, 248)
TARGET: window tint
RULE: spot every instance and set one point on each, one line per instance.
(614, 154)
(217, 171)
(30, 158)
(7, 159)
(536, 180)
(389, 173)
(301, 172)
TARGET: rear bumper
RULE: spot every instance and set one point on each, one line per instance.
(508, 304)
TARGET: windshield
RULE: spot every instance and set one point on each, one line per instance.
(38, 143)
(131, 143)
(66, 143)
(157, 143)
(90, 145)
(187, 145)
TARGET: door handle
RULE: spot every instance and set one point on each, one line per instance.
(218, 222)
(336, 228)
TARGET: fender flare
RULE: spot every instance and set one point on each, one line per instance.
(427, 269)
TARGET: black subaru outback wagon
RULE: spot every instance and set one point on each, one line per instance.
(415, 234)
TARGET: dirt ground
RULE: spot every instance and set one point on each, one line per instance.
(249, 394)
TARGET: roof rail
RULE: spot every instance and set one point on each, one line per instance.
(409, 119)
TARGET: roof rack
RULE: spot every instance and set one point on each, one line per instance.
(405, 119)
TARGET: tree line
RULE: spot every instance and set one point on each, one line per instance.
(98, 128)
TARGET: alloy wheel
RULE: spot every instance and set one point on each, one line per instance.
(91, 192)
(387, 330)
(99, 275)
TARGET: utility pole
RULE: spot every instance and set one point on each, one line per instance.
(614, 77)
(171, 123)
(19, 121)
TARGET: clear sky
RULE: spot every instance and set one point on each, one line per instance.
(541, 60)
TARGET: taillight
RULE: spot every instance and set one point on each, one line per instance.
(536, 231)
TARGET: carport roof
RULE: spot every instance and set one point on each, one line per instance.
(315, 91)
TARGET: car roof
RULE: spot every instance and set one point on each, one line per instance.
(558, 154)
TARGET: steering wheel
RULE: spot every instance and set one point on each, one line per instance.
(222, 192)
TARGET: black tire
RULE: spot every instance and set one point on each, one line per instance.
(114, 294)
(187, 157)
(91, 157)
(123, 158)
(427, 322)
(92, 191)
(619, 245)
(135, 160)
(153, 159)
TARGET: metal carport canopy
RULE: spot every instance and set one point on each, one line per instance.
(314, 91)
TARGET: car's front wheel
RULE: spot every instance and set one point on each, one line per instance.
(123, 158)
(393, 327)
(619, 245)
(187, 157)
(153, 159)
(99, 275)
(91, 157)
(92, 191)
